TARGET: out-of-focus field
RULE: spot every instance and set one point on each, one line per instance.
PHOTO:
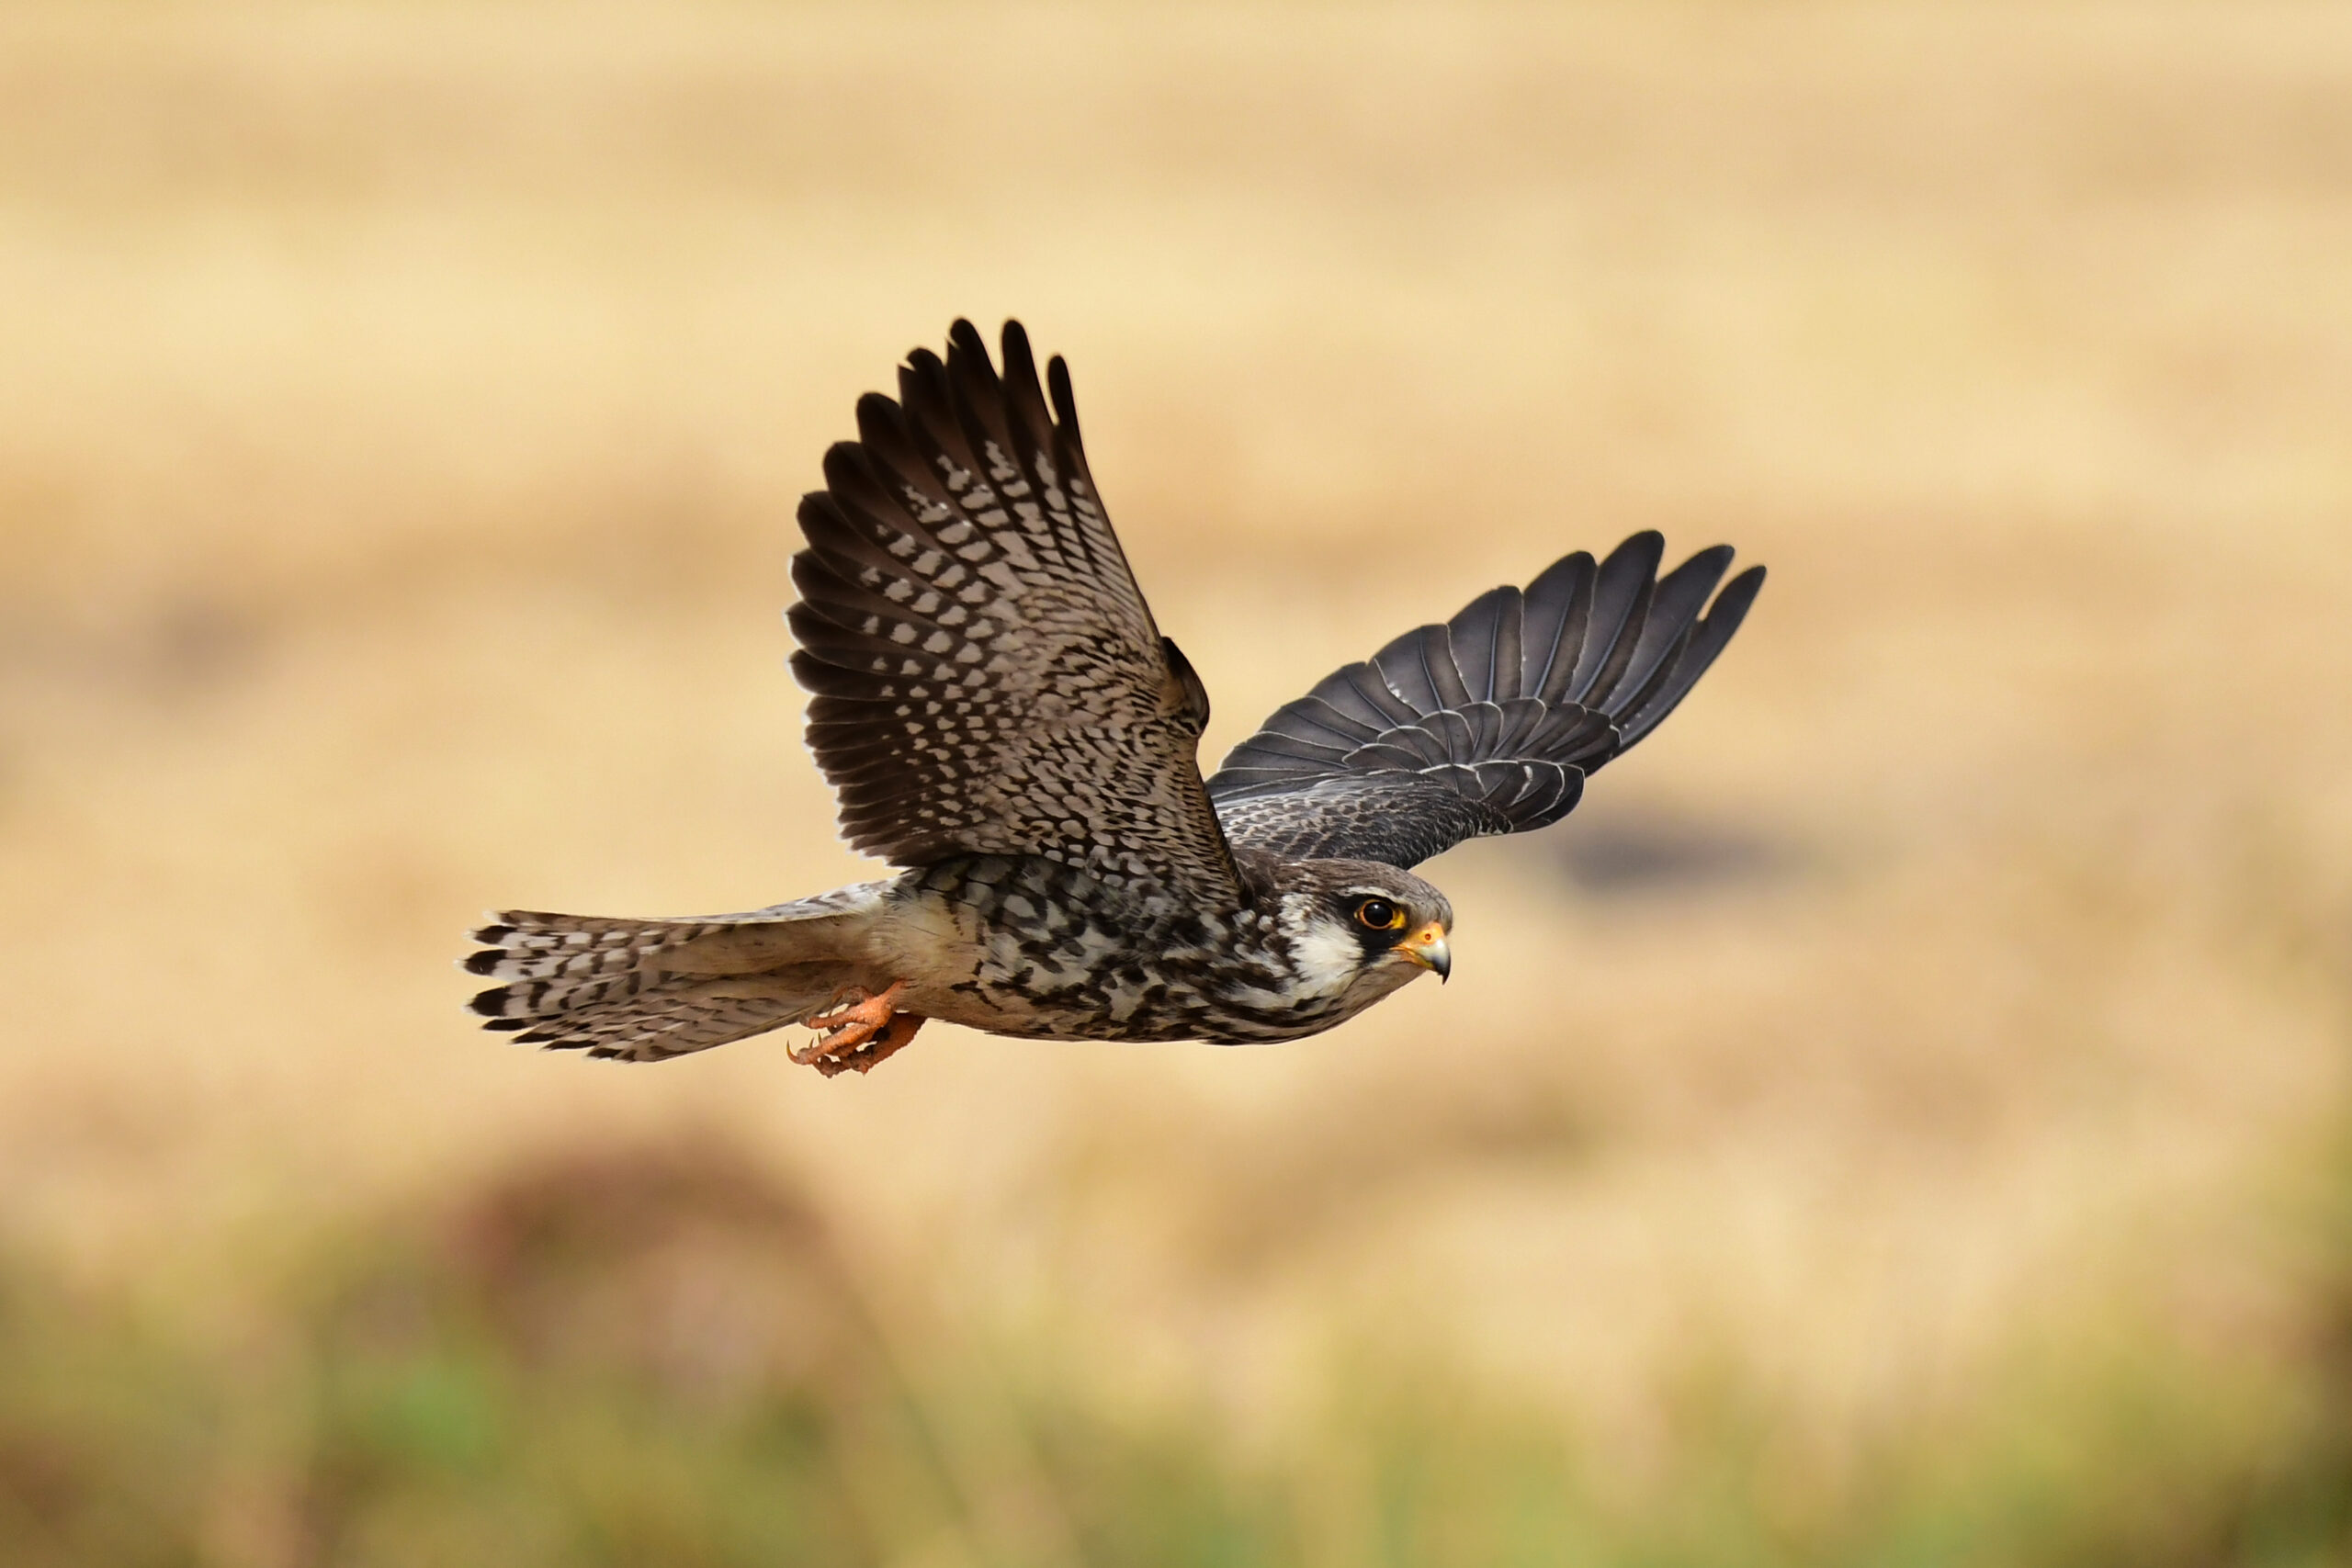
(1898, 1120)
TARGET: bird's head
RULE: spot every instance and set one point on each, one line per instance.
(1362, 925)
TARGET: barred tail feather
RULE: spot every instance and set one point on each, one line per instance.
(648, 990)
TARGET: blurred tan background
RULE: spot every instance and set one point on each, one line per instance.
(1898, 1118)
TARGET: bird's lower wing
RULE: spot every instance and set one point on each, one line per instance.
(1488, 723)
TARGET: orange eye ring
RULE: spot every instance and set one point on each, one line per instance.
(1380, 915)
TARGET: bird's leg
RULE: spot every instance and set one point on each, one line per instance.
(858, 1030)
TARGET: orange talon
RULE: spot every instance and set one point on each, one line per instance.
(860, 1034)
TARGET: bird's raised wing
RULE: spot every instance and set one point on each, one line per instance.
(1489, 723)
(985, 676)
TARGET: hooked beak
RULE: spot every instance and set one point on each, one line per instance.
(1427, 948)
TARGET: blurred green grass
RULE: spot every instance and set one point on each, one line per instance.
(654, 1356)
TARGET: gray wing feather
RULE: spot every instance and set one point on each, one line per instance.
(985, 676)
(1489, 723)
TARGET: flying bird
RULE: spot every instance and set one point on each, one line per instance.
(1003, 720)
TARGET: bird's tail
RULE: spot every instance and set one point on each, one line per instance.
(647, 990)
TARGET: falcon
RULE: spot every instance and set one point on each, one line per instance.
(1003, 722)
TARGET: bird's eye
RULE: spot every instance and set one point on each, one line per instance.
(1380, 915)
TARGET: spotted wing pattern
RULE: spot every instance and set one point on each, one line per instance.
(987, 678)
(1488, 723)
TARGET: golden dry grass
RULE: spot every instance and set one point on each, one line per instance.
(402, 408)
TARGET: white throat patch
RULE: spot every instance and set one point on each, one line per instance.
(1328, 954)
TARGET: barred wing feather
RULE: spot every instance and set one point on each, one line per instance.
(987, 678)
